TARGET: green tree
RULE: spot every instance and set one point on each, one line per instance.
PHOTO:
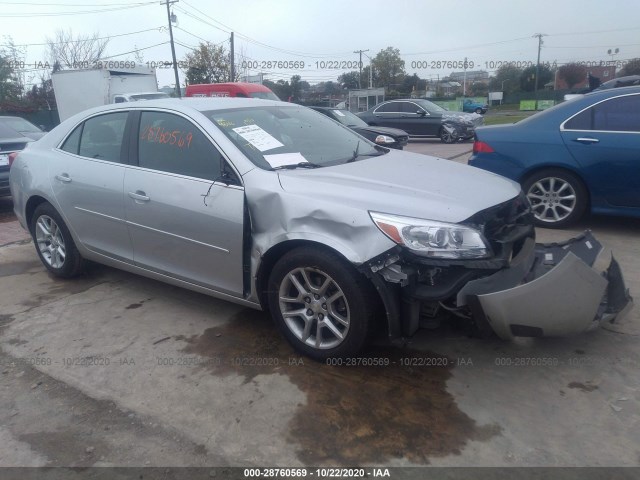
(507, 79)
(390, 67)
(10, 88)
(632, 67)
(281, 88)
(208, 63)
(528, 78)
(572, 74)
(350, 80)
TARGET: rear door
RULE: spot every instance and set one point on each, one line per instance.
(184, 223)
(605, 140)
(86, 173)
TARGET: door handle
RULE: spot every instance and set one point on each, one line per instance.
(139, 196)
(64, 178)
(586, 140)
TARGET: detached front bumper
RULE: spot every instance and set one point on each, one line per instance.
(548, 290)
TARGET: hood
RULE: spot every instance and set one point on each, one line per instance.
(404, 183)
(474, 118)
(393, 132)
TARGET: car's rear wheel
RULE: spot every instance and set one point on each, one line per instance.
(558, 198)
(448, 134)
(53, 242)
(321, 304)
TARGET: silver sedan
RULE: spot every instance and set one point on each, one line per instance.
(275, 206)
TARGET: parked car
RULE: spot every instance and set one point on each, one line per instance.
(387, 137)
(22, 126)
(470, 105)
(628, 81)
(577, 156)
(422, 118)
(274, 206)
(10, 142)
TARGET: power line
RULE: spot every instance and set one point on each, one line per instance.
(79, 12)
(83, 40)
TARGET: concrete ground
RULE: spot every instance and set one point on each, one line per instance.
(116, 369)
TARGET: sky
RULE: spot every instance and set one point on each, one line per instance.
(317, 39)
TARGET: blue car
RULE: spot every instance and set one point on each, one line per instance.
(582, 155)
(471, 106)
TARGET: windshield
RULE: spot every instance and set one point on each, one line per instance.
(264, 95)
(429, 106)
(347, 118)
(20, 124)
(285, 135)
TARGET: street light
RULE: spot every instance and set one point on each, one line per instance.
(613, 52)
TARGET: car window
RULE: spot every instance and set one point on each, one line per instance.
(278, 135)
(100, 137)
(620, 114)
(170, 143)
(72, 143)
(409, 107)
(391, 107)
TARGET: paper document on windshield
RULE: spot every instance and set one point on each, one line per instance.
(338, 112)
(258, 137)
(285, 159)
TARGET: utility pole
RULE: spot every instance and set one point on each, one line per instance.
(232, 59)
(360, 65)
(464, 82)
(173, 48)
(535, 87)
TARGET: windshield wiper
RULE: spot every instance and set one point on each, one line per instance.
(379, 151)
(292, 166)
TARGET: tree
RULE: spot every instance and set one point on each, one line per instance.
(41, 96)
(528, 78)
(281, 88)
(10, 88)
(390, 67)
(631, 68)
(82, 51)
(350, 80)
(572, 74)
(506, 79)
(208, 63)
(366, 75)
(479, 89)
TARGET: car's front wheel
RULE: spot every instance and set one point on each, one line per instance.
(558, 198)
(479, 111)
(321, 304)
(53, 242)
(448, 134)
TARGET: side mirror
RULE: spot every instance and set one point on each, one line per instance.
(421, 113)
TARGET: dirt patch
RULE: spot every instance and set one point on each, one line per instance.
(354, 415)
(19, 268)
(588, 387)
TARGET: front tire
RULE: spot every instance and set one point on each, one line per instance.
(558, 198)
(447, 136)
(320, 303)
(54, 243)
(479, 111)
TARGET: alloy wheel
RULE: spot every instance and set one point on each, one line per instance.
(50, 241)
(552, 199)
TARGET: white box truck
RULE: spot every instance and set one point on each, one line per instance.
(78, 90)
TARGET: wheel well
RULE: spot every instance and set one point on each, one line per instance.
(32, 204)
(274, 254)
(563, 169)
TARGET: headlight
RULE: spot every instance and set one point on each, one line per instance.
(433, 239)
(384, 139)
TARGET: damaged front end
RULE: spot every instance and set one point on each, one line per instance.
(523, 289)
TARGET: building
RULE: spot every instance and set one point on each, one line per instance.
(603, 73)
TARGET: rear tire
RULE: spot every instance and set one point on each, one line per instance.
(320, 303)
(54, 243)
(558, 197)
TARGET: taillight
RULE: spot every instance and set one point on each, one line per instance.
(12, 157)
(482, 147)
